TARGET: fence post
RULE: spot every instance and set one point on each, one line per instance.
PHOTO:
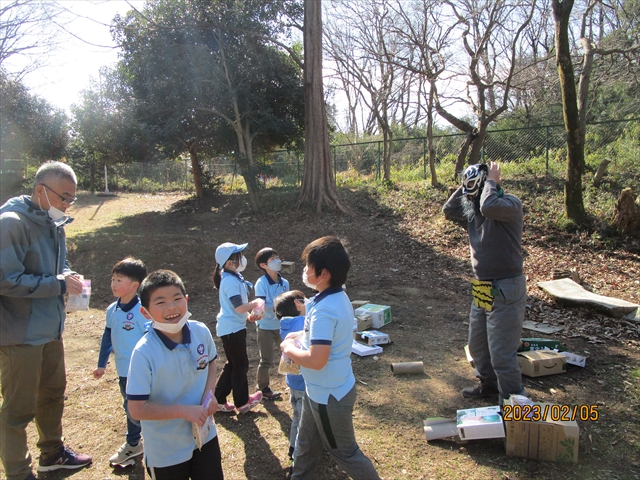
(424, 157)
(334, 163)
(546, 148)
(379, 159)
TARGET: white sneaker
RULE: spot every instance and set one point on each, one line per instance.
(226, 407)
(126, 452)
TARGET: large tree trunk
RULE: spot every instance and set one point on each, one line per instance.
(196, 168)
(478, 142)
(574, 206)
(92, 175)
(318, 183)
(462, 153)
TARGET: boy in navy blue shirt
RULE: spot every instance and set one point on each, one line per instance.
(290, 309)
(171, 375)
(124, 327)
(268, 287)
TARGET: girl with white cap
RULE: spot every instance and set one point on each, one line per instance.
(232, 328)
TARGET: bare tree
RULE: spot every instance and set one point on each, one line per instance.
(490, 33)
(318, 182)
(361, 40)
(424, 41)
(28, 32)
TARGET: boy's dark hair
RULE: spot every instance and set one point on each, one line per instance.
(131, 268)
(216, 278)
(156, 280)
(284, 304)
(328, 253)
(263, 256)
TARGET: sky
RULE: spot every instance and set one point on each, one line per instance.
(71, 66)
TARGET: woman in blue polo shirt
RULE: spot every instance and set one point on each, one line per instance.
(325, 364)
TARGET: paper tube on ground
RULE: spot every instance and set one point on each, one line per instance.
(407, 367)
(436, 428)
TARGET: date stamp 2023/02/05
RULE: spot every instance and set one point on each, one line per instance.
(555, 413)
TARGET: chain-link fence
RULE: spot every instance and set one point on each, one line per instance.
(545, 143)
(507, 145)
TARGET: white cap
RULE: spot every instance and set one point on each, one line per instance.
(224, 251)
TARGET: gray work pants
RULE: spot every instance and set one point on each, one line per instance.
(330, 426)
(494, 336)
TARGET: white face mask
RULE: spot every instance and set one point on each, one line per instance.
(54, 213)
(171, 327)
(274, 265)
(243, 264)
(305, 280)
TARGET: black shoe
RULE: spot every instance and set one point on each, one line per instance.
(291, 449)
(66, 458)
(269, 394)
(479, 391)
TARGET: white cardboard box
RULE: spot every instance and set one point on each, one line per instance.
(372, 337)
(380, 314)
(574, 359)
(484, 422)
(364, 350)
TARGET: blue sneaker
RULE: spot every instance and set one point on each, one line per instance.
(66, 458)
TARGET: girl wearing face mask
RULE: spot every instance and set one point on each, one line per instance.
(232, 328)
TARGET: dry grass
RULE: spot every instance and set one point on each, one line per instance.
(404, 257)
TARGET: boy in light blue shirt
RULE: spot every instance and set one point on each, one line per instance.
(289, 308)
(268, 287)
(325, 363)
(125, 326)
(171, 380)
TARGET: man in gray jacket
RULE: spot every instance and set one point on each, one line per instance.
(494, 224)
(34, 276)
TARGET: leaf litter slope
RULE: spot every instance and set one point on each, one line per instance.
(404, 254)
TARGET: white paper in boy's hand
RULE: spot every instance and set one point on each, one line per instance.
(200, 432)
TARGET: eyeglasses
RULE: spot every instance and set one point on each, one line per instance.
(68, 201)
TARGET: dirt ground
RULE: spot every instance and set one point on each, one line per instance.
(404, 254)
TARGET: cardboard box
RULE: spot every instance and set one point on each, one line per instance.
(484, 422)
(528, 344)
(287, 267)
(538, 363)
(364, 350)
(575, 359)
(358, 303)
(555, 441)
(363, 322)
(372, 337)
(380, 314)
